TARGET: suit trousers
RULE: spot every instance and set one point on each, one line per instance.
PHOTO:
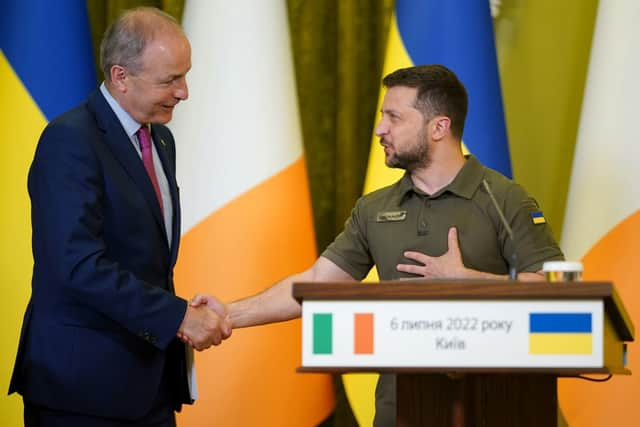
(160, 415)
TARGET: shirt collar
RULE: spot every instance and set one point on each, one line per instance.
(128, 123)
(403, 188)
(468, 179)
(464, 184)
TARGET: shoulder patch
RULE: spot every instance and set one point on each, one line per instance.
(538, 218)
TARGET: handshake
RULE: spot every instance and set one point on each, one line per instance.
(205, 323)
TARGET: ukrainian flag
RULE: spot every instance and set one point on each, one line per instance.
(560, 333)
(538, 217)
(459, 35)
(46, 67)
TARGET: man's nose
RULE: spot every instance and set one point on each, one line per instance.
(381, 128)
(182, 90)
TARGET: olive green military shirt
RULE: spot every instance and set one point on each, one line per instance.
(386, 223)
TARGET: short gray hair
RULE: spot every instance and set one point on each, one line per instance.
(124, 41)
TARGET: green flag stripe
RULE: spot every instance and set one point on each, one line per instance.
(322, 333)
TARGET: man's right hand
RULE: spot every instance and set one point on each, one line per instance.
(203, 328)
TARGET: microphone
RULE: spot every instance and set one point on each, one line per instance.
(513, 273)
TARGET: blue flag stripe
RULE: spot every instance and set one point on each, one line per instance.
(459, 35)
(48, 45)
(560, 322)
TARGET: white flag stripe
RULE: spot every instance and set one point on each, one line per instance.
(605, 181)
(240, 125)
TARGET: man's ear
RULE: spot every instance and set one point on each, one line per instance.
(119, 77)
(440, 127)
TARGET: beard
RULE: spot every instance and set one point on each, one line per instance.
(416, 156)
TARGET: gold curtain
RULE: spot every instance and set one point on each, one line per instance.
(338, 51)
(543, 53)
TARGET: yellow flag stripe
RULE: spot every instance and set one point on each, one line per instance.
(560, 344)
(378, 175)
(360, 387)
(21, 123)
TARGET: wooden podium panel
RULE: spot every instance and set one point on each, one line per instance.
(451, 369)
(501, 400)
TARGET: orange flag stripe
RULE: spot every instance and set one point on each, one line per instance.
(363, 326)
(614, 258)
(260, 237)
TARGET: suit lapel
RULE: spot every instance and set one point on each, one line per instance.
(165, 148)
(123, 150)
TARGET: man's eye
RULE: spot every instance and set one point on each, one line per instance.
(168, 82)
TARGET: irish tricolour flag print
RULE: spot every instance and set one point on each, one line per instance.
(246, 210)
(323, 328)
(602, 222)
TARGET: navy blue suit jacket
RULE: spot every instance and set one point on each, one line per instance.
(103, 315)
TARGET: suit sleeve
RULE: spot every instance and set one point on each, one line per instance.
(67, 189)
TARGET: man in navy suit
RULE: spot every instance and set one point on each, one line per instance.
(99, 340)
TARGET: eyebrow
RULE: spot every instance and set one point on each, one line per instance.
(390, 111)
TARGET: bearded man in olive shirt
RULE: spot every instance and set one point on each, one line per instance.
(438, 221)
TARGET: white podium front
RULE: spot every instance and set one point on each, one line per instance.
(457, 343)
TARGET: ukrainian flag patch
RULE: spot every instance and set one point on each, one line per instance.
(538, 218)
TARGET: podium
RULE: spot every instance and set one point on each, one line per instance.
(466, 353)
